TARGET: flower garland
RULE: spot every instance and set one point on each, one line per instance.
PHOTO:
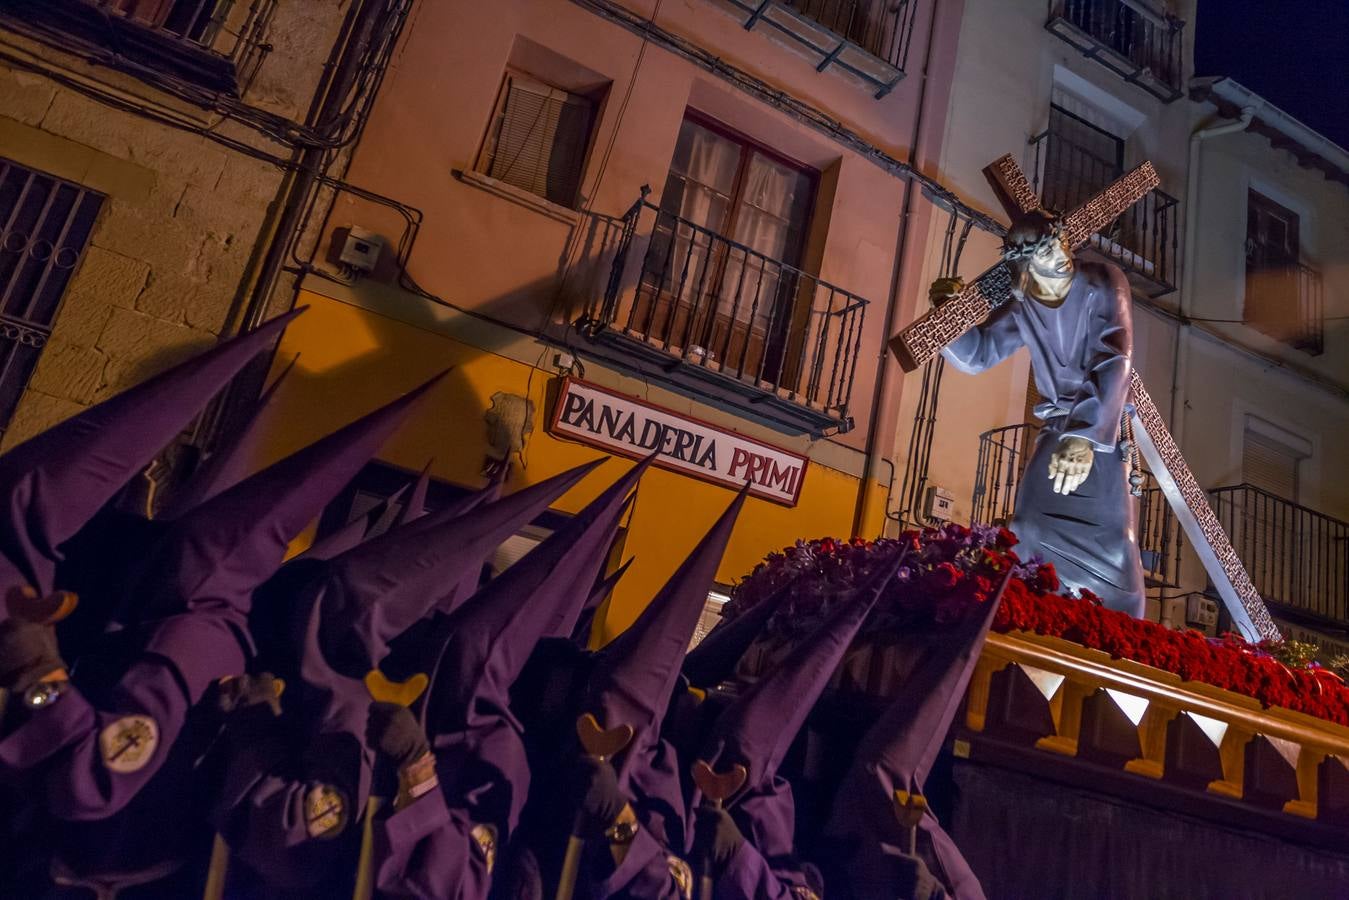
(949, 572)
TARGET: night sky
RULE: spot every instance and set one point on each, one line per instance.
(1293, 53)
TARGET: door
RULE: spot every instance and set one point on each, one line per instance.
(719, 281)
(1271, 267)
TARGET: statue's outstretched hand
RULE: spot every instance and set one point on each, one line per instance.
(1070, 464)
(944, 289)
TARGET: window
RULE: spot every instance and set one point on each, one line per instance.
(44, 226)
(721, 269)
(1272, 268)
(205, 42)
(538, 139)
(1080, 160)
(1270, 464)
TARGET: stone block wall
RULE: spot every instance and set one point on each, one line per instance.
(185, 222)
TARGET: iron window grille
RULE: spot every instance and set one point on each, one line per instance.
(1284, 296)
(216, 44)
(45, 224)
(1074, 161)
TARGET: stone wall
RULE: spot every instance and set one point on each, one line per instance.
(186, 221)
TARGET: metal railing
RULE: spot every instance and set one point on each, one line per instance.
(883, 28)
(697, 299)
(1296, 556)
(1134, 38)
(1003, 455)
(1144, 241)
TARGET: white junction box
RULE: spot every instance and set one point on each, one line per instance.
(939, 503)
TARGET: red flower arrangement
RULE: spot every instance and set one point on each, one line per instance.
(949, 572)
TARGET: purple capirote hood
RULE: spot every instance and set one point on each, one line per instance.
(55, 482)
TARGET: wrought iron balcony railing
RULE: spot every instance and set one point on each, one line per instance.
(211, 43)
(1003, 455)
(868, 38)
(729, 321)
(1296, 556)
(1131, 37)
(1143, 242)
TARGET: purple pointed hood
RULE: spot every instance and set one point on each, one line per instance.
(215, 556)
(758, 728)
(349, 536)
(716, 656)
(55, 482)
(415, 506)
(635, 674)
(380, 589)
(898, 751)
(580, 634)
(228, 464)
(609, 507)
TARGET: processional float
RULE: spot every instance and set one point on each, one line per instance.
(924, 339)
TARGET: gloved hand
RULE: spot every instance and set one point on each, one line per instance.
(595, 796)
(28, 652)
(912, 878)
(245, 692)
(717, 836)
(248, 706)
(394, 732)
(944, 290)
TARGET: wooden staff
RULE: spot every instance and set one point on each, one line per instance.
(217, 871)
(909, 809)
(599, 744)
(383, 691)
(716, 787)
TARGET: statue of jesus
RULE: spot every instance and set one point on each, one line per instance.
(1074, 507)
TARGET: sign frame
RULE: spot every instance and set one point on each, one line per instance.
(679, 467)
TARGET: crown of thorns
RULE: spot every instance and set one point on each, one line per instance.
(1023, 249)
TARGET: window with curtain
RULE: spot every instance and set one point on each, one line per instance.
(538, 139)
(733, 223)
(1271, 267)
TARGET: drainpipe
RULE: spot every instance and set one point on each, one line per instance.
(1180, 356)
(887, 364)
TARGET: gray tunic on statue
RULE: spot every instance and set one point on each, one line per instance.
(1081, 353)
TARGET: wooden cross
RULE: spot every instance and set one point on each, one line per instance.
(924, 339)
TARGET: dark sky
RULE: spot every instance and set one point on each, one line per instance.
(1294, 53)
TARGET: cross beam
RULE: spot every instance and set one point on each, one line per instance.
(925, 338)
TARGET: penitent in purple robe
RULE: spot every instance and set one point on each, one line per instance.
(1081, 354)
(342, 621)
(436, 847)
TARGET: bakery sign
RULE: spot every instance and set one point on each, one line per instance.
(631, 427)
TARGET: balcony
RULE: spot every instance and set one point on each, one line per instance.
(1297, 557)
(214, 44)
(1132, 38)
(1289, 305)
(1003, 454)
(869, 39)
(1074, 162)
(726, 322)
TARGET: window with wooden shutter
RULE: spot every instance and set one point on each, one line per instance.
(538, 139)
(1270, 465)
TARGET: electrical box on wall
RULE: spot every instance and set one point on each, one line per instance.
(1202, 611)
(361, 249)
(939, 504)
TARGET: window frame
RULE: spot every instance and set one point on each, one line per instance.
(482, 162)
